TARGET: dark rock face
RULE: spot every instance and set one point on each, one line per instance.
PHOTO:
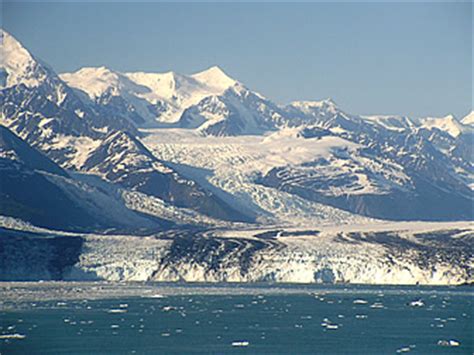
(21, 151)
(214, 253)
(29, 195)
(30, 257)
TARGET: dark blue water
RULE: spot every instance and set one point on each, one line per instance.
(374, 320)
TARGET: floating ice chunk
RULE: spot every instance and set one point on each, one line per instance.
(417, 303)
(12, 336)
(240, 343)
(117, 311)
(451, 342)
(404, 350)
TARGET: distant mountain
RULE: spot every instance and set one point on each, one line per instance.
(148, 98)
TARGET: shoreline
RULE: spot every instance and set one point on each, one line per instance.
(18, 292)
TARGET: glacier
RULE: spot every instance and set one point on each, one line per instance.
(401, 253)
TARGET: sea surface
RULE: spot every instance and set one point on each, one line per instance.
(91, 318)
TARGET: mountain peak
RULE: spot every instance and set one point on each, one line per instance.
(10, 46)
(215, 77)
(468, 119)
(101, 71)
(215, 69)
(448, 124)
(18, 63)
(327, 105)
(94, 81)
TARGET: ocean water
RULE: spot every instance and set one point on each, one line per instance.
(241, 320)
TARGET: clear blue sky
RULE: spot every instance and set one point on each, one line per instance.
(388, 58)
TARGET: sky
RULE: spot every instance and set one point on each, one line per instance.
(371, 58)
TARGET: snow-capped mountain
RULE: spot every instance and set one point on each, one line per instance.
(150, 98)
(38, 106)
(209, 100)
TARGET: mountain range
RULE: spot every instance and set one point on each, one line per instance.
(107, 152)
(94, 121)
